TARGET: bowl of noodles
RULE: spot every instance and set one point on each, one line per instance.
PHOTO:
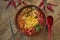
(30, 20)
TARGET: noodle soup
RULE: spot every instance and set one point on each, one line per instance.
(30, 20)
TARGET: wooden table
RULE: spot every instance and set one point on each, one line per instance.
(5, 31)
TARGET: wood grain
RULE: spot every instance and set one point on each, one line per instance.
(5, 31)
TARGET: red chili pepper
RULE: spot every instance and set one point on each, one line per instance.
(49, 5)
(24, 3)
(12, 2)
(42, 3)
(50, 8)
(8, 4)
(52, 4)
(19, 3)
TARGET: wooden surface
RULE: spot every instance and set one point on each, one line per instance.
(5, 30)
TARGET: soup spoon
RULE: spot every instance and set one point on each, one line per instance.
(49, 23)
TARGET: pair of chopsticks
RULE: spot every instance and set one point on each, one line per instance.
(11, 28)
(21, 35)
